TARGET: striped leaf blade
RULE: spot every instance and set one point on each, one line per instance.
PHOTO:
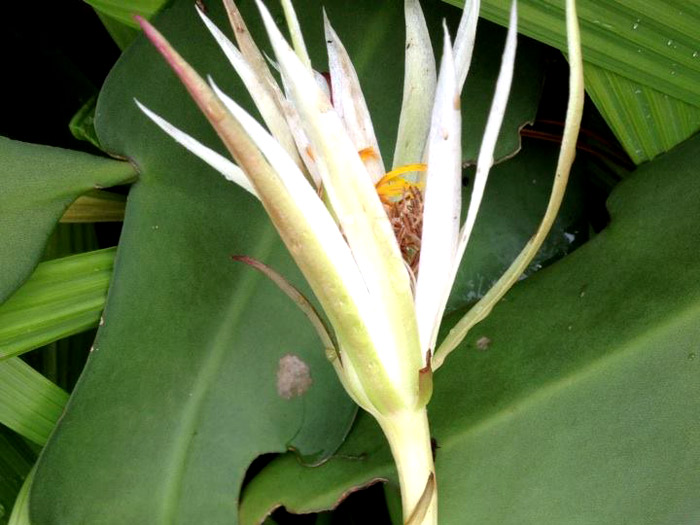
(61, 298)
(124, 10)
(20, 510)
(642, 63)
(30, 404)
(653, 42)
(645, 121)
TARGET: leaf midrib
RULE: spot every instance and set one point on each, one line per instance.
(207, 374)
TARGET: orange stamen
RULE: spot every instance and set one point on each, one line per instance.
(394, 184)
(368, 153)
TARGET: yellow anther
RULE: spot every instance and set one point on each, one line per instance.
(394, 184)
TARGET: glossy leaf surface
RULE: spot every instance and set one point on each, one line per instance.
(62, 297)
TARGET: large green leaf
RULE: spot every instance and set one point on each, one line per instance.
(575, 401)
(62, 297)
(124, 10)
(39, 183)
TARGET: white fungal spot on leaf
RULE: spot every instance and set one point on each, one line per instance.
(483, 343)
(293, 377)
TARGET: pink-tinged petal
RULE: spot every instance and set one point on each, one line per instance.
(442, 203)
(418, 89)
(349, 103)
(325, 333)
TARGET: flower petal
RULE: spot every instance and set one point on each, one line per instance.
(566, 158)
(295, 32)
(464, 41)
(349, 103)
(220, 163)
(493, 127)
(418, 89)
(257, 62)
(441, 205)
(262, 88)
(361, 215)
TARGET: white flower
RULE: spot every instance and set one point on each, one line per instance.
(380, 249)
(321, 177)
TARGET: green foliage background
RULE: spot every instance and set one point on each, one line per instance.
(575, 402)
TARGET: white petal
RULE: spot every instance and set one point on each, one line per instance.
(295, 32)
(220, 163)
(360, 213)
(493, 127)
(349, 102)
(262, 88)
(300, 190)
(418, 89)
(442, 204)
(279, 159)
(258, 63)
(464, 41)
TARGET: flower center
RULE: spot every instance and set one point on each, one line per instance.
(403, 202)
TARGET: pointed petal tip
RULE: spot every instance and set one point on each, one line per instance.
(151, 32)
(447, 39)
(161, 44)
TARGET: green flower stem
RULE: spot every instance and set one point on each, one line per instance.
(409, 437)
